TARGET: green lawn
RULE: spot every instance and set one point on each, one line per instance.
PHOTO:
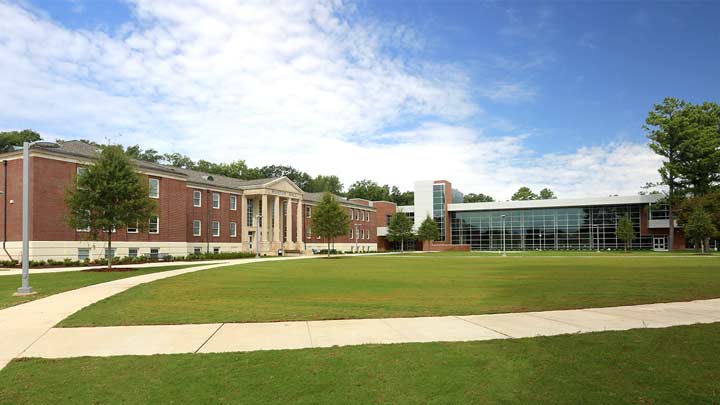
(418, 285)
(675, 365)
(53, 283)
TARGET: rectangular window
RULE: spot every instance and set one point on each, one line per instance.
(368, 216)
(80, 170)
(154, 253)
(308, 232)
(362, 234)
(197, 250)
(216, 250)
(83, 254)
(363, 215)
(216, 200)
(351, 233)
(308, 212)
(216, 228)
(197, 198)
(154, 188)
(197, 228)
(351, 214)
(109, 253)
(249, 220)
(233, 230)
(233, 203)
(154, 224)
(133, 252)
(132, 229)
(367, 234)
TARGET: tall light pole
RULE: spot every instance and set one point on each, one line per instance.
(259, 236)
(541, 242)
(356, 238)
(25, 289)
(503, 230)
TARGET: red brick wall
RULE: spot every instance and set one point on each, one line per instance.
(206, 214)
(384, 208)
(369, 226)
(14, 192)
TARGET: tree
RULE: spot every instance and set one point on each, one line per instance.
(178, 160)
(667, 132)
(523, 194)
(109, 195)
(625, 231)
(11, 139)
(698, 164)
(329, 219)
(400, 229)
(322, 183)
(369, 190)
(547, 194)
(699, 227)
(402, 198)
(709, 203)
(474, 198)
(428, 230)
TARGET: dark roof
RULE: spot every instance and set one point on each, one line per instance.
(317, 197)
(82, 149)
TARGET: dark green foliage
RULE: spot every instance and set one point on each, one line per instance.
(474, 198)
(524, 193)
(329, 219)
(625, 231)
(699, 226)
(400, 229)
(11, 139)
(547, 194)
(428, 230)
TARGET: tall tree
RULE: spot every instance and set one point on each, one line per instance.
(11, 139)
(401, 198)
(625, 231)
(428, 230)
(329, 219)
(369, 190)
(322, 183)
(523, 194)
(547, 194)
(178, 160)
(667, 132)
(699, 156)
(475, 198)
(400, 229)
(109, 195)
(699, 227)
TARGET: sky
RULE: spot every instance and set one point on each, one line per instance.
(490, 96)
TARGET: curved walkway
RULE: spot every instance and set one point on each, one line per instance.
(22, 325)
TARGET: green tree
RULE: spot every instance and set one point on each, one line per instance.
(667, 132)
(178, 160)
(329, 219)
(322, 183)
(546, 194)
(428, 230)
(625, 231)
(109, 195)
(401, 198)
(698, 164)
(475, 198)
(699, 227)
(524, 193)
(400, 229)
(369, 190)
(11, 139)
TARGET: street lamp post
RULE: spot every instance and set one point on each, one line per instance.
(503, 230)
(25, 289)
(259, 236)
(356, 238)
(597, 236)
(541, 241)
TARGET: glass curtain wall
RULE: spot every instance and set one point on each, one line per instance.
(439, 208)
(574, 228)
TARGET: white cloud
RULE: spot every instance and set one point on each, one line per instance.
(313, 84)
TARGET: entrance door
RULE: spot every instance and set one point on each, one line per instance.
(659, 243)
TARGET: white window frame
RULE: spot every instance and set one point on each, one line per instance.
(363, 215)
(157, 231)
(150, 182)
(137, 252)
(351, 233)
(216, 250)
(308, 233)
(233, 202)
(308, 211)
(197, 193)
(197, 250)
(233, 229)
(218, 201)
(130, 229)
(199, 222)
(88, 254)
(351, 214)
(214, 234)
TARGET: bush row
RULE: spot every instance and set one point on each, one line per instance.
(129, 260)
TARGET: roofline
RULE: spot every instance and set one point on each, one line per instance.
(555, 203)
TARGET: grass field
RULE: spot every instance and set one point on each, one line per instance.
(418, 285)
(678, 365)
(53, 283)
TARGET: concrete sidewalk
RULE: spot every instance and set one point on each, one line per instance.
(238, 337)
(22, 325)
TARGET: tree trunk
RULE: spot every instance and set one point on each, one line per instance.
(671, 225)
(402, 245)
(328, 247)
(109, 251)
(702, 247)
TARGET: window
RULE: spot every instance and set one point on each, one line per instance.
(83, 254)
(363, 215)
(86, 229)
(154, 188)
(367, 234)
(233, 203)
(368, 216)
(351, 214)
(233, 230)
(154, 253)
(351, 233)
(308, 233)
(216, 228)
(249, 220)
(109, 253)
(308, 212)
(362, 234)
(80, 170)
(216, 250)
(197, 250)
(197, 228)
(154, 224)
(133, 252)
(131, 229)
(197, 198)
(216, 200)
(387, 219)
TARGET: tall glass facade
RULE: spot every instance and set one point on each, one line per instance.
(439, 208)
(572, 228)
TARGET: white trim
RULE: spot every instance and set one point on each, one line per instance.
(233, 232)
(158, 225)
(150, 181)
(200, 199)
(556, 203)
(212, 227)
(233, 207)
(218, 201)
(199, 227)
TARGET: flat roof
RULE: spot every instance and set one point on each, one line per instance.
(556, 203)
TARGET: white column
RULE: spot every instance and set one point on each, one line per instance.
(265, 219)
(244, 239)
(276, 215)
(288, 222)
(300, 226)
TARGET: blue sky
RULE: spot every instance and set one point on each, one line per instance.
(488, 95)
